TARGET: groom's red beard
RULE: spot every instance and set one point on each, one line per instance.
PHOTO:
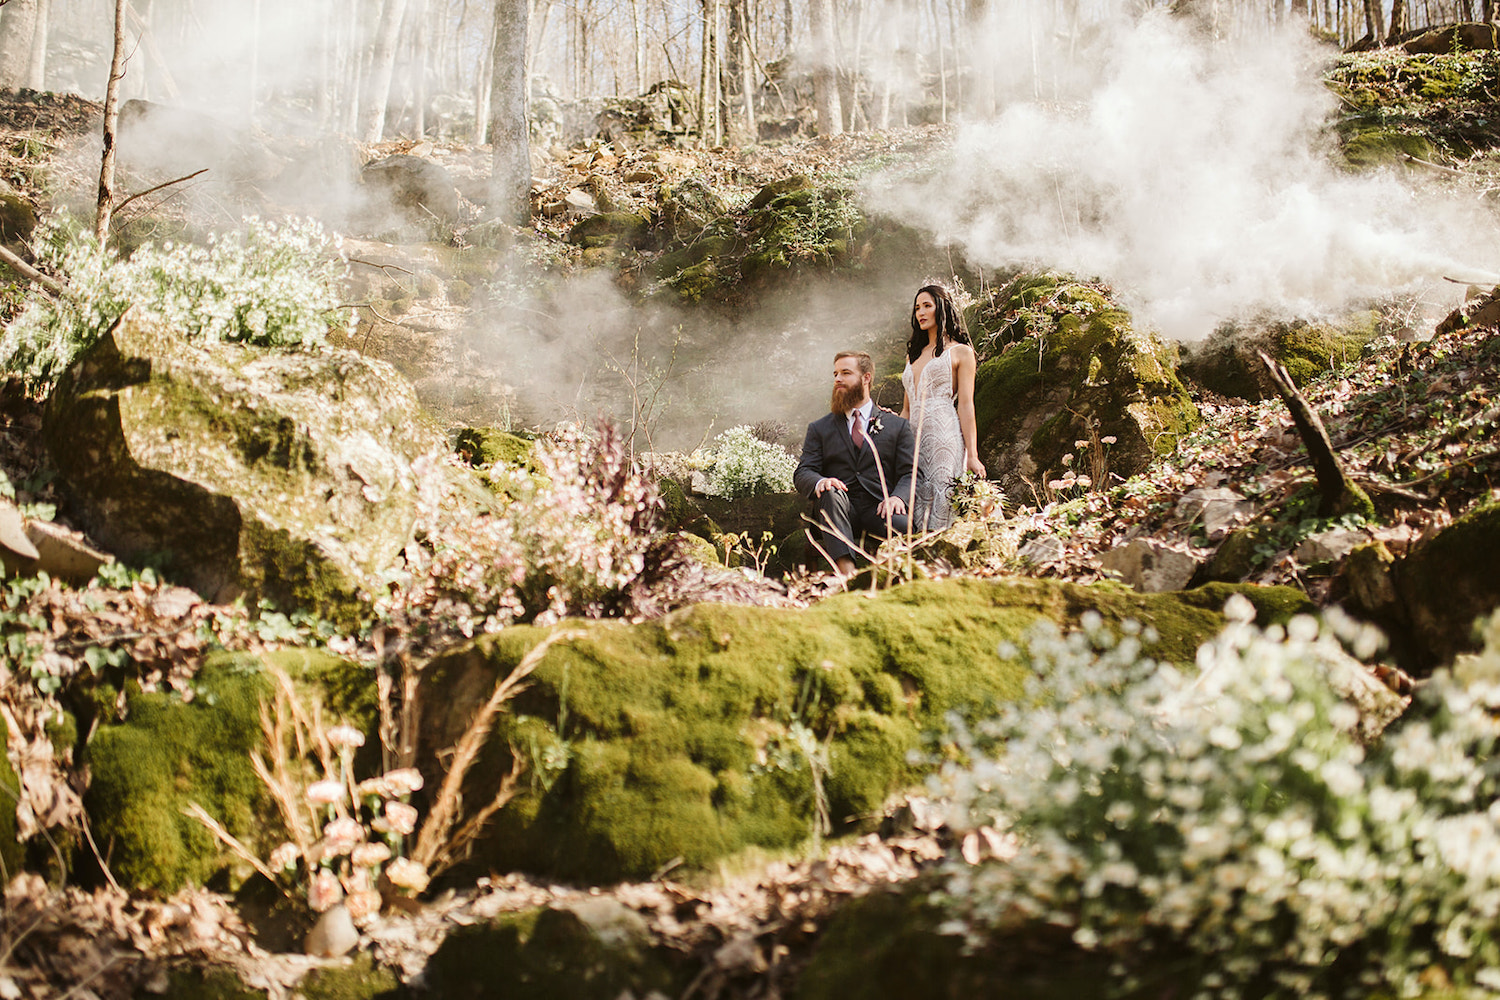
(844, 400)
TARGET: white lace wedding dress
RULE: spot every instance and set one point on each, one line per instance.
(940, 442)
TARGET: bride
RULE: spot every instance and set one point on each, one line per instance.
(939, 386)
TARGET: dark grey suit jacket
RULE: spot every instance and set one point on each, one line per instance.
(829, 451)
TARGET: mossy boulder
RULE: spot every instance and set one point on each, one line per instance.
(687, 207)
(169, 752)
(359, 979)
(1447, 582)
(686, 738)
(890, 945)
(11, 851)
(611, 230)
(17, 216)
(1085, 366)
(276, 474)
(1228, 362)
(592, 949)
(481, 446)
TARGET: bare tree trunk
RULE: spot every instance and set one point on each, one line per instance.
(638, 37)
(825, 68)
(37, 72)
(482, 92)
(1487, 11)
(511, 165)
(382, 66)
(17, 29)
(111, 120)
(421, 65)
(1398, 19)
(982, 92)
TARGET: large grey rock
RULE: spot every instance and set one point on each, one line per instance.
(1151, 566)
(1220, 509)
(412, 190)
(274, 473)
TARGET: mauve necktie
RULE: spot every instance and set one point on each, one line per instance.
(858, 434)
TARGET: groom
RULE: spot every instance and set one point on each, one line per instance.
(856, 464)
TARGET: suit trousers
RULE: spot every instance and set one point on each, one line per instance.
(851, 515)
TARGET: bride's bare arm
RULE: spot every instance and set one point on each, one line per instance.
(905, 405)
(965, 361)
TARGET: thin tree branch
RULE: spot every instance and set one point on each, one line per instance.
(142, 194)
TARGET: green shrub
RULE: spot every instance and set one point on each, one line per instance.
(744, 465)
(268, 284)
(1230, 811)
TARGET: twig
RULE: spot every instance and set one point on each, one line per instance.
(200, 814)
(163, 184)
(30, 273)
(435, 842)
(1338, 493)
(1433, 166)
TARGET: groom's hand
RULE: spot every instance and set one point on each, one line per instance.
(829, 484)
(890, 507)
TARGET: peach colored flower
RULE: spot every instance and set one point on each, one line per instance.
(324, 890)
(407, 874)
(284, 857)
(326, 792)
(401, 817)
(346, 736)
(369, 855)
(342, 835)
(404, 780)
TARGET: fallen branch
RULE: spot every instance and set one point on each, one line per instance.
(163, 184)
(30, 273)
(1433, 166)
(1339, 493)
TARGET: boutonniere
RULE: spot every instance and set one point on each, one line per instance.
(876, 426)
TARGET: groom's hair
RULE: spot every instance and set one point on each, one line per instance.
(861, 359)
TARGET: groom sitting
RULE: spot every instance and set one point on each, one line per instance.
(856, 464)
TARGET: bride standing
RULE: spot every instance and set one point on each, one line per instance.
(939, 386)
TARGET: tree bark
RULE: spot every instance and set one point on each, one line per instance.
(36, 74)
(382, 67)
(825, 68)
(638, 39)
(1398, 20)
(1338, 494)
(17, 27)
(482, 92)
(511, 170)
(111, 119)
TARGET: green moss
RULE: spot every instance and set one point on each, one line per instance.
(600, 951)
(1080, 364)
(1448, 582)
(11, 851)
(681, 732)
(169, 753)
(610, 229)
(201, 984)
(361, 979)
(482, 446)
(887, 945)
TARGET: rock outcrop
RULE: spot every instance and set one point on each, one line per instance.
(277, 474)
(1084, 369)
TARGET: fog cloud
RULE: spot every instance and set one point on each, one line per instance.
(1200, 180)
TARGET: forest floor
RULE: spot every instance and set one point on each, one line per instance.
(1413, 419)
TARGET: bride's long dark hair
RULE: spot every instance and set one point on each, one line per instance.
(950, 323)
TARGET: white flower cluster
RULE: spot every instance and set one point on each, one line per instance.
(1230, 811)
(744, 465)
(268, 284)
